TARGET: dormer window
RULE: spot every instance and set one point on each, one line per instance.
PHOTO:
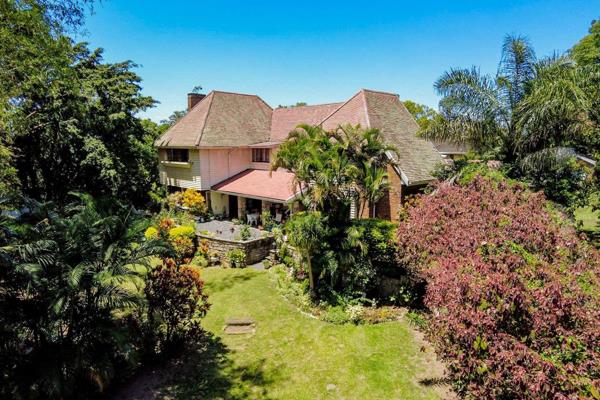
(178, 155)
(260, 155)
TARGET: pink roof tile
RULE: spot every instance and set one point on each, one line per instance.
(285, 120)
(277, 185)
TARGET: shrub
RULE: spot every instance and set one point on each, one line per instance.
(174, 200)
(183, 247)
(203, 248)
(511, 289)
(236, 258)
(164, 226)
(176, 302)
(151, 233)
(194, 201)
(182, 231)
(245, 233)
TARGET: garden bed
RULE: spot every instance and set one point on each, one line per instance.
(225, 236)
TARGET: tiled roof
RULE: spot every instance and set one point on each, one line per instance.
(232, 120)
(221, 119)
(276, 185)
(416, 157)
(285, 120)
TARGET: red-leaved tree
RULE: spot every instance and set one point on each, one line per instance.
(512, 291)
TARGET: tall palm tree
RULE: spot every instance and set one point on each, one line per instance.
(528, 107)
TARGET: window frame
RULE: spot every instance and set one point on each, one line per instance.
(178, 155)
(261, 155)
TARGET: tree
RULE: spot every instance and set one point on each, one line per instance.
(306, 232)
(332, 167)
(84, 135)
(587, 50)
(423, 114)
(531, 110)
(172, 120)
(70, 299)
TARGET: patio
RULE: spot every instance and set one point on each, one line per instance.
(224, 236)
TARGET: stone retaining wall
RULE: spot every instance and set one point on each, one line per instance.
(256, 249)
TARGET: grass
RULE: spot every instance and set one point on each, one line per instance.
(588, 218)
(293, 356)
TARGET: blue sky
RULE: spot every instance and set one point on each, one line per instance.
(322, 51)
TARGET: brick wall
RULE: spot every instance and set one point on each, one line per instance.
(390, 203)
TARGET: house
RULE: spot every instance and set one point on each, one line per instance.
(223, 147)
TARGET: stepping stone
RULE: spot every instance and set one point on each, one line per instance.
(239, 326)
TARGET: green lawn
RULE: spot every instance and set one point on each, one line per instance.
(588, 218)
(291, 355)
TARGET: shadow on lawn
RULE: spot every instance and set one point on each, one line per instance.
(230, 280)
(203, 372)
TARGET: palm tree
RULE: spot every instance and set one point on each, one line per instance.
(530, 106)
(374, 184)
(307, 232)
(73, 277)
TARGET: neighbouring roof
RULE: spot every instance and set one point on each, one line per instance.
(450, 148)
(587, 160)
(260, 184)
(235, 120)
(221, 119)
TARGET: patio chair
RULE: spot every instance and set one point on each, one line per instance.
(252, 219)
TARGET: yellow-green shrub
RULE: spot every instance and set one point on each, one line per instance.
(194, 200)
(179, 231)
(151, 233)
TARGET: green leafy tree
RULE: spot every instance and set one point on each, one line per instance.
(172, 120)
(84, 134)
(587, 50)
(423, 114)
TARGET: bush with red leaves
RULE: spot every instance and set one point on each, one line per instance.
(176, 301)
(511, 289)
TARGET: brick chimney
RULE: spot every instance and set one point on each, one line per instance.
(193, 99)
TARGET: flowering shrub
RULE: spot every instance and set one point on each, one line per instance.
(164, 226)
(194, 200)
(183, 247)
(174, 199)
(203, 248)
(512, 291)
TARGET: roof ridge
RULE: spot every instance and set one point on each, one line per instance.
(342, 105)
(243, 94)
(212, 96)
(309, 105)
(380, 92)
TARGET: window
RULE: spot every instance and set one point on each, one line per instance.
(260, 155)
(179, 155)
